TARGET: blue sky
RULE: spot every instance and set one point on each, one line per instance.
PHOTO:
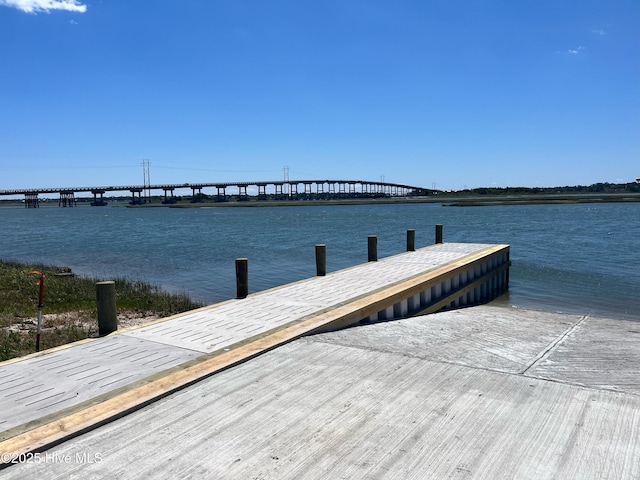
(452, 93)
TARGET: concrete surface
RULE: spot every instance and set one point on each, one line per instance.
(484, 392)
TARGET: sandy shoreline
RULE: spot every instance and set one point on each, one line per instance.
(79, 318)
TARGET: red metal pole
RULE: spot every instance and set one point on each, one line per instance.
(40, 295)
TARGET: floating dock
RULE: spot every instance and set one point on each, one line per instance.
(50, 397)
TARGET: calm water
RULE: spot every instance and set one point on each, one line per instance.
(570, 258)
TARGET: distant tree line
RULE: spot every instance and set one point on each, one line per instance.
(631, 187)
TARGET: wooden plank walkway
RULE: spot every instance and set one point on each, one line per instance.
(484, 392)
(49, 396)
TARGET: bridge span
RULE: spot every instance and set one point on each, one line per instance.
(278, 190)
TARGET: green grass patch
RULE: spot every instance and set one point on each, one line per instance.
(69, 306)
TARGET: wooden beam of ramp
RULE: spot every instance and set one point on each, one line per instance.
(123, 401)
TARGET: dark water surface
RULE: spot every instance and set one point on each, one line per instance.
(582, 258)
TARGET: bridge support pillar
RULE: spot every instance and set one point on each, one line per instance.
(307, 187)
(196, 197)
(172, 198)
(31, 200)
(98, 202)
(67, 199)
(221, 193)
(134, 200)
(262, 191)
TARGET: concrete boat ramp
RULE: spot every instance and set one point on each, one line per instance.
(481, 392)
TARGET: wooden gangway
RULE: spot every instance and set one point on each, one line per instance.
(48, 397)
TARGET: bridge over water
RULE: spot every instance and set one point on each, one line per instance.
(279, 190)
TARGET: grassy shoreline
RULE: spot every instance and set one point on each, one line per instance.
(446, 199)
(69, 312)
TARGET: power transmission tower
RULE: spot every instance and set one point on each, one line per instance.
(147, 178)
(285, 171)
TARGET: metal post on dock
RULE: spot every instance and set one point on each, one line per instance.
(438, 233)
(242, 277)
(411, 240)
(321, 260)
(106, 305)
(373, 248)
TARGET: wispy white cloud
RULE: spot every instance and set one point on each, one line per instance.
(35, 6)
(598, 31)
(572, 51)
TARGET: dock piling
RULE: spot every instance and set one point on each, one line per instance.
(242, 278)
(106, 305)
(411, 240)
(373, 248)
(438, 233)
(321, 260)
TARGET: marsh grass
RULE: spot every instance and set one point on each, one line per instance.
(69, 312)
